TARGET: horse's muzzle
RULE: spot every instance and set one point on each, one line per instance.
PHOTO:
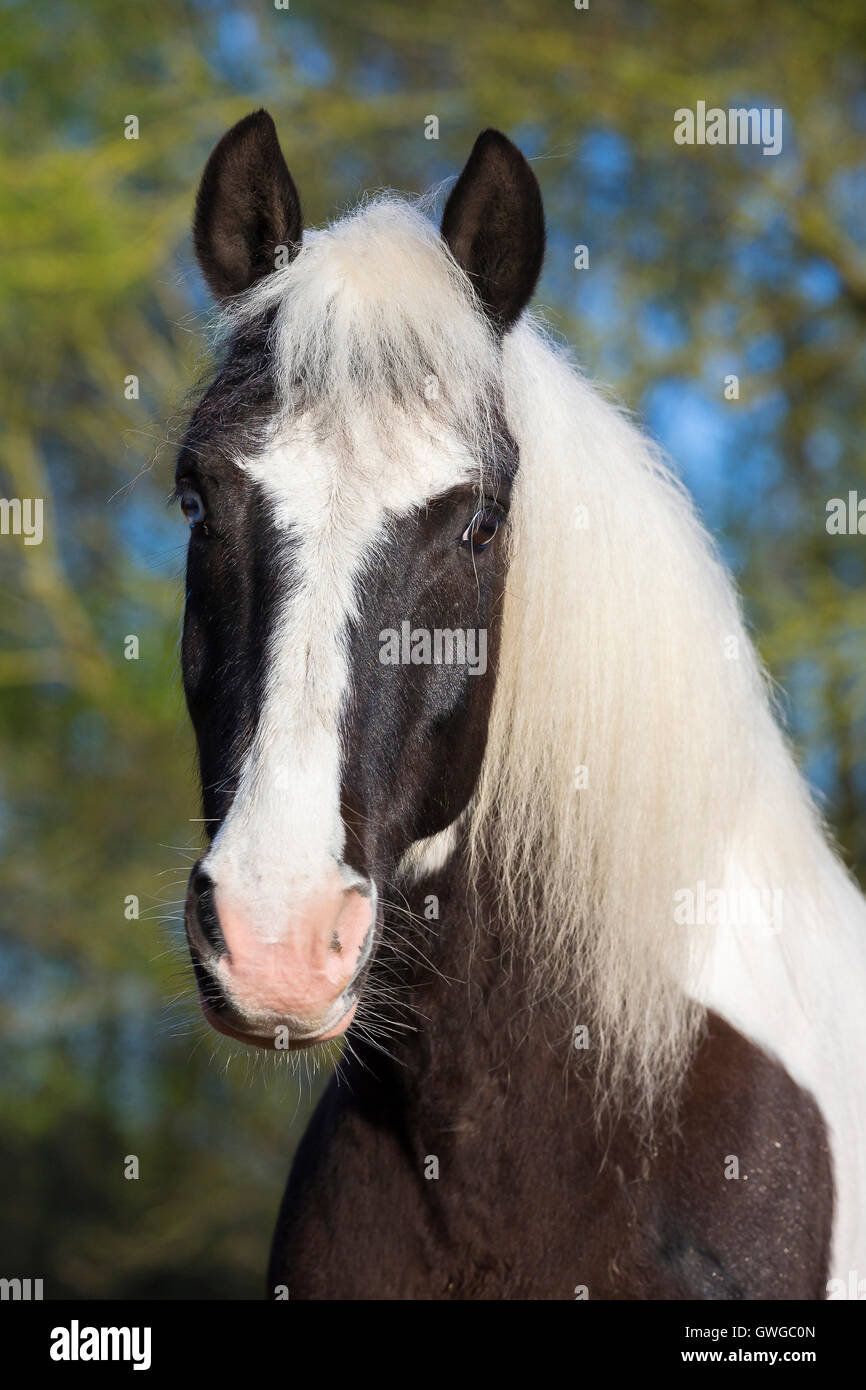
(282, 985)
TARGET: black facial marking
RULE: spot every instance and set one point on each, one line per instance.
(414, 735)
(237, 567)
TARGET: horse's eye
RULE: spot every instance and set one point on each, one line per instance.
(481, 530)
(192, 506)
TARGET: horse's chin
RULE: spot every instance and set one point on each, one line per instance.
(268, 1040)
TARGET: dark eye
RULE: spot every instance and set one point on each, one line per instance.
(192, 506)
(481, 530)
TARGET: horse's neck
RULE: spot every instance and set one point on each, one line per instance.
(463, 1006)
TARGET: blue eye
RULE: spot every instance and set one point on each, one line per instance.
(481, 530)
(192, 507)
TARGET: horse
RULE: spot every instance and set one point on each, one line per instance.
(494, 787)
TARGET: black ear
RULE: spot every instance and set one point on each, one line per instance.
(494, 225)
(247, 206)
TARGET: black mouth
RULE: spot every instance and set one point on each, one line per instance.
(228, 1028)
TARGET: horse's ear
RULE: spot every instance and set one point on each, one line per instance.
(247, 207)
(494, 225)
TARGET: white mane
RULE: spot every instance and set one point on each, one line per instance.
(624, 654)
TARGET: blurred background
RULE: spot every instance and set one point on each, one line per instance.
(704, 262)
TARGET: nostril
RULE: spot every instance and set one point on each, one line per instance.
(201, 881)
(206, 913)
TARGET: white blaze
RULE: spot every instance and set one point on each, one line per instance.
(284, 832)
